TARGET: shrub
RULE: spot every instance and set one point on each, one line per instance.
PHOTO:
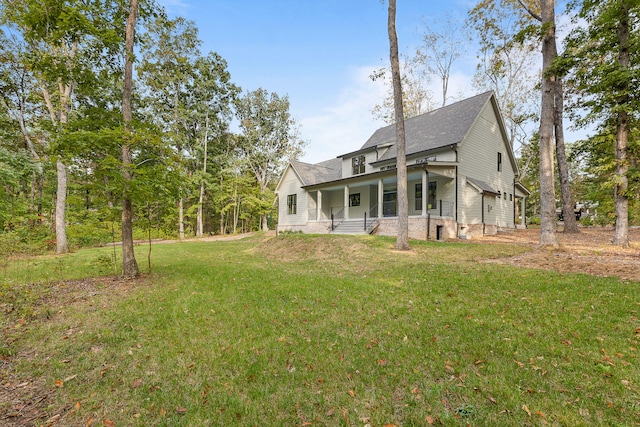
(27, 239)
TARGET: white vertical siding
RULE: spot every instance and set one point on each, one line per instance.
(291, 184)
(478, 157)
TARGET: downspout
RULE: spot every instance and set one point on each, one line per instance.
(483, 227)
(455, 150)
(426, 192)
(514, 204)
(277, 201)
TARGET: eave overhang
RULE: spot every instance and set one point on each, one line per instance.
(378, 174)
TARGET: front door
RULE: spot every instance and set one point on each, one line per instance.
(389, 203)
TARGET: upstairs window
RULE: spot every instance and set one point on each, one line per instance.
(499, 162)
(292, 202)
(357, 165)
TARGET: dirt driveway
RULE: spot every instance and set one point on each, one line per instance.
(589, 252)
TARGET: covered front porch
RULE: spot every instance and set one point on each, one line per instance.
(364, 203)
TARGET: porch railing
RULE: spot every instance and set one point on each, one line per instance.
(446, 208)
(336, 217)
(370, 217)
(442, 208)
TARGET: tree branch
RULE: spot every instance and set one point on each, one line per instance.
(530, 11)
(47, 100)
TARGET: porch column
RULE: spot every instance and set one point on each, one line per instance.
(425, 189)
(319, 206)
(380, 197)
(346, 202)
(523, 220)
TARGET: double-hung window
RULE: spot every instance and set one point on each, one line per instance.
(292, 202)
(357, 165)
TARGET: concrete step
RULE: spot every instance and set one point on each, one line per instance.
(350, 227)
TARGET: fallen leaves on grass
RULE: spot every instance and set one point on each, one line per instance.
(181, 410)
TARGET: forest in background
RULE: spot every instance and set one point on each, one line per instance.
(62, 129)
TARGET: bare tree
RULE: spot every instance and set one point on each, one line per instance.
(402, 241)
(416, 97)
(439, 50)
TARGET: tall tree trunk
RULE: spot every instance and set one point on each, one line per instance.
(547, 190)
(568, 204)
(61, 201)
(621, 237)
(402, 240)
(129, 264)
(236, 213)
(181, 218)
(200, 219)
(263, 217)
(200, 213)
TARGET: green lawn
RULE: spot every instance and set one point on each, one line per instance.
(321, 330)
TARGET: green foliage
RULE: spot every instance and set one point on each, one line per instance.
(597, 158)
(32, 237)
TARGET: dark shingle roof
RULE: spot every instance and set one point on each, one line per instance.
(483, 186)
(329, 170)
(438, 128)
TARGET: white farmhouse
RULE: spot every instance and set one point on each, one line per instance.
(461, 174)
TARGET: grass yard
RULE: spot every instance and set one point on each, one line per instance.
(319, 331)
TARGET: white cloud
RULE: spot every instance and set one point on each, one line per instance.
(347, 123)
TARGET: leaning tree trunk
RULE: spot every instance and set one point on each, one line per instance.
(402, 240)
(547, 190)
(568, 204)
(621, 237)
(129, 264)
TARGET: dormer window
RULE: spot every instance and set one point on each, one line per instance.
(357, 165)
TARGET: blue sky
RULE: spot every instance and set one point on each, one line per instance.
(320, 53)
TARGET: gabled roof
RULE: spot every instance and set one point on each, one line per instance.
(482, 186)
(439, 128)
(329, 170)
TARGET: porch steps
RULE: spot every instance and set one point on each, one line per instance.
(350, 227)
